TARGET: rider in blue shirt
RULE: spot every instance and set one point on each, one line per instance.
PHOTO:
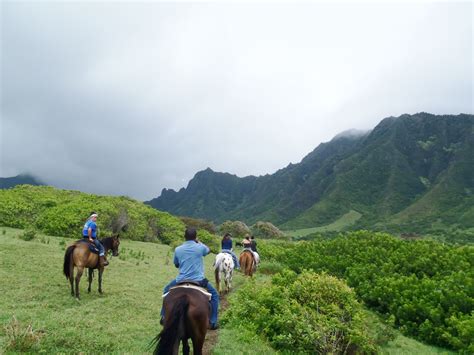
(226, 245)
(89, 231)
(188, 257)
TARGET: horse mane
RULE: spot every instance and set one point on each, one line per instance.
(107, 242)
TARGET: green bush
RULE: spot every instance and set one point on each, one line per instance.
(266, 230)
(28, 234)
(238, 229)
(20, 338)
(308, 313)
(425, 287)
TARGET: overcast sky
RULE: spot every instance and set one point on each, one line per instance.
(127, 99)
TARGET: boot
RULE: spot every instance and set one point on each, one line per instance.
(102, 261)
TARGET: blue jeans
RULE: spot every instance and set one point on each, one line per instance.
(98, 245)
(236, 261)
(214, 300)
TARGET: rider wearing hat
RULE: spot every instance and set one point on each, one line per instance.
(89, 231)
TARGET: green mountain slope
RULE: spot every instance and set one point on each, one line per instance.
(412, 171)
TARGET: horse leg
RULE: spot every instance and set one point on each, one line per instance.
(90, 273)
(71, 280)
(198, 338)
(101, 270)
(185, 347)
(80, 270)
(218, 282)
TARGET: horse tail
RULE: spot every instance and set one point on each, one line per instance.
(174, 330)
(68, 261)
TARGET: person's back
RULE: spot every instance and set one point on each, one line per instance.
(253, 244)
(188, 257)
(226, 245)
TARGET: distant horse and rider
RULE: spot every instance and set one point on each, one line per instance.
(249, 258)
(88, 252)
(79, 255)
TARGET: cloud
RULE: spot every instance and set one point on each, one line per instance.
(125, 98)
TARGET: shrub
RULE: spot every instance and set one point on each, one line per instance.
(266, 230)
(307, 313)
(20, 338)
(28, 234)
(238, 229)
(199, 224)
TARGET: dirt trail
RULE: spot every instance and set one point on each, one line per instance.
(213, 335)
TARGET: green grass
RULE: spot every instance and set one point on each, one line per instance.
(402, 345)
(124, 319)
(342, 222)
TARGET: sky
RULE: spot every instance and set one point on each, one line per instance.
(124, 98)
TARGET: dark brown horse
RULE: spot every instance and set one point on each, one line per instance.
(79, 255)
(186, 317)
(247, 262)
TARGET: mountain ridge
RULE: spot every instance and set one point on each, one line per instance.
(378, 173)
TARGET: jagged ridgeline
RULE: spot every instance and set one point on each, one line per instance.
(411, 173)
(63, 213)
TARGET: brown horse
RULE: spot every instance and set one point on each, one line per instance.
(186, 317)
(79, 255)
(247, 262)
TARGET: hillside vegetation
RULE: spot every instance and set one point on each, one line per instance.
(424, 288)
(63, 213)
(413, 173)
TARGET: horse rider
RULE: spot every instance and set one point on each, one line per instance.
(253, 247)
(246, 242)
(90, 232)
(226, 245)
(188, 257)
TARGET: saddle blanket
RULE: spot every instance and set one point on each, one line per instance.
(187, 285)
(91, 246)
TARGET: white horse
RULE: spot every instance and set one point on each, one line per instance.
(224, 266)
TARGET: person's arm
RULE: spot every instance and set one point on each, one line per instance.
(89, 234)
(176, 261)
(205, 249)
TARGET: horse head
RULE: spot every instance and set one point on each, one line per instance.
(115, 245)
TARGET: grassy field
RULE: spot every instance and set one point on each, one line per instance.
(344, 221)
(37, 313)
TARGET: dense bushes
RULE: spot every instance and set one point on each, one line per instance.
(63, 213)
(236, 228)
(424, 287)
(266, 230)
(305, 313)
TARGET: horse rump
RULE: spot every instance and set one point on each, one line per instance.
(173, 329)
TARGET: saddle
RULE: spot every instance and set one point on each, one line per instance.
(92, 247)
(190, 284)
